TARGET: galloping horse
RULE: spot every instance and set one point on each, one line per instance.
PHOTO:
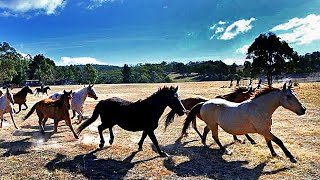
(42, 90)
(142, 115)
(251, 116)
(55, 109)
(238, 95)
(21, 97)
(6, 106)
(77, 101)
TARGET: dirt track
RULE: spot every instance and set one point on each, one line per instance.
(27, 154)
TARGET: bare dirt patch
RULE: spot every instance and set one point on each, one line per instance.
(27, 154)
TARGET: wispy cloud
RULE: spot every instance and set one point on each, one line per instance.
(78, 60)
(223, 32)
(243, 49)
(22, 7)
(300, 30)
(93, 4)
(238, 61)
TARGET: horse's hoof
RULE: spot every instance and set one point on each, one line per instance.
(253, 142)
(293, 160)
(240, 141)
(101, 146)
(75, 136)
(227, 152)
(110, 141)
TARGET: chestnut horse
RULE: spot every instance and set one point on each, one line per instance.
(142, 115)
(238, 95)
(55, 109)
(251, 116)
(21, 97)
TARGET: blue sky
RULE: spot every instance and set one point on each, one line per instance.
(141, 31)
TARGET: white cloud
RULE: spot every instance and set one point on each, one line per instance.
(236, 28)
(238, 61)
(300, 30)
(231, 31)
(243, 49)
(222, 22)
(78, 60)
(16, 7)
(97, 3)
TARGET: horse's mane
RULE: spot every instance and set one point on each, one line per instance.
(160, 90)
(265, 91)
(231, 96)
(24, 89)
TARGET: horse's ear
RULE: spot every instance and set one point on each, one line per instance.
(290, 84)
(70, 92)
(284, 87)
(92, 85)
(177, 88)
(64, 92)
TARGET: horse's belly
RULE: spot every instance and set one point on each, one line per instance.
(237, 127)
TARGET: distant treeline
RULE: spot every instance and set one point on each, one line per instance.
(16, 69)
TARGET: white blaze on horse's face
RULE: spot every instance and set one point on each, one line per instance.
(290, 101)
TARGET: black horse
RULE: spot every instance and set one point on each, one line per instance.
(142, 115)
(42, 90)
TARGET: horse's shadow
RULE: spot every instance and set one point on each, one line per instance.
(15, 148)
(208, 162)
(93, 168)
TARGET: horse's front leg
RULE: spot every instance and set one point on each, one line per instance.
(214, 130)
(155, 142)
(250, 139)
(73, 114)
(270, 136)
(80, 116)
(1, 117)
(194, 125)
(143, 137)
(19, 109)
(25, 106)
(11, 115)
(68, 122)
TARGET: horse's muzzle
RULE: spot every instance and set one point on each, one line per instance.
(95, 98)
(302, 111)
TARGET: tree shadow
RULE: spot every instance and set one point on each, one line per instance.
(208, 162)
(93, 168)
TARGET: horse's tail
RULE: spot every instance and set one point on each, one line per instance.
(191, 116)
(95, 115)
(30, 112)
(169, 118)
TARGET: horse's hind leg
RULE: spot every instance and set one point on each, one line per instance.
(40, 123)
(73, 114)
(19, 109)
(143, 137)
(194, 125)
(11, 115)
(206, 130)
(155, 142)
(273, 153)
(250, 139)
(111, 136)
(101, 127)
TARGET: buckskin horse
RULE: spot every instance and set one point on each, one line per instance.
(21, 97)
(142, 115)
(55, 109)
(238, 95)
(252, 116)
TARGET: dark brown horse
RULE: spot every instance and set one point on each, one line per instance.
(55, 109)
(142, 115)
(21, 98)
(238, 95)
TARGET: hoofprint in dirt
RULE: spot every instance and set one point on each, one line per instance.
(27, 154)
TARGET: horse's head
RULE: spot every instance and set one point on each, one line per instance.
(92, 92)
(174, 101)
(290, 101)
(65, 98)
(28, 89)
(9, 96)
(48, 88)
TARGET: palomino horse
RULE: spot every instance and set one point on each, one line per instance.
(55, 109)
(21, 97)
(6, 106)
(251, 116)
(238, 95)
(42, 90)
(142, 115)
(77, 101)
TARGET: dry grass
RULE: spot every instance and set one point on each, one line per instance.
(26, 154)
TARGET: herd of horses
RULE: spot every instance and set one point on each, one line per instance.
(244, 111)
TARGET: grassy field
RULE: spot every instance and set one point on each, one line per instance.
(27, 154)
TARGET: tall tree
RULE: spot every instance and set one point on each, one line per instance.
(126, 73)
(269, 54)
(90, 73)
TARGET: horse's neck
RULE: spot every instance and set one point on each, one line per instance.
(81, 95)
(156, 102)
(268, 103)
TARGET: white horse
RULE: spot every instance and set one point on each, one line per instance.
(251, 116)
(77, 101)
(6, 106)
